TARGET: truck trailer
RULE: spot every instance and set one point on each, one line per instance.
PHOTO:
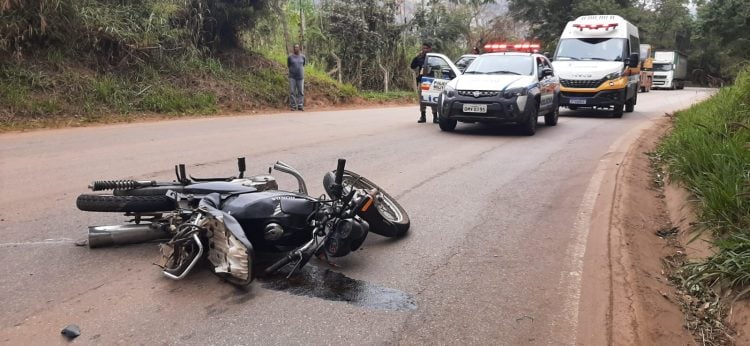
(647, 68)
(670, 70)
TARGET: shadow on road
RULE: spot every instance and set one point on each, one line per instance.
(508, 130)
(586, 113)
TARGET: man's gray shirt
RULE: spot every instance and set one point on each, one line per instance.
(296, 64)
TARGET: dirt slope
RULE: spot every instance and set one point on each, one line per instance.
(643, 308)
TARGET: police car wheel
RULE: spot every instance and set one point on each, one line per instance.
(447, 125)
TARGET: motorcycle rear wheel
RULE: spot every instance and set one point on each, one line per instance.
(392, 219)
(133, 204)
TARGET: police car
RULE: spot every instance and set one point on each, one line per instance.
(502, 88)
(464, 61)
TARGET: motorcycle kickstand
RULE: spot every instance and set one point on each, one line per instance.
(296, 266)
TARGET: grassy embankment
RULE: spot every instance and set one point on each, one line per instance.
(709, 153)
(77, 62)
(54, 90)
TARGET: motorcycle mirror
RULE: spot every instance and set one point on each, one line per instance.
(182, 175)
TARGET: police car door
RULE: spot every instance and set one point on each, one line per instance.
(547, 84)
(436, 72)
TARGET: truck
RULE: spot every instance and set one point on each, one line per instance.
(647, 68)
(597, 60)
(670, 69)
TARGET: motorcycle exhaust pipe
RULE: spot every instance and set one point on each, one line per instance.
(103, 236)
(283, 167)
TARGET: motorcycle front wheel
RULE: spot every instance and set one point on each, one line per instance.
(388, 218)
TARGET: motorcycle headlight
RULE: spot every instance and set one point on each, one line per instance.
(449, 92)
(514, 92)
(613, 76)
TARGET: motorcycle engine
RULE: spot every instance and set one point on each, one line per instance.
(348, 235)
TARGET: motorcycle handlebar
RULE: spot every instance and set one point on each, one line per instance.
(340, 172)
(284, 261)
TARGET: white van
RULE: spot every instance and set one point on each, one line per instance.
(597, 62)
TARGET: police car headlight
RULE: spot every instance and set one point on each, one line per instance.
(613, 76)
(514, 92)
(449, 92)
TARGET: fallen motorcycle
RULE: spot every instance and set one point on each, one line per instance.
(226, 220)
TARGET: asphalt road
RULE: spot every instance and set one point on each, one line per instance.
(493, 254)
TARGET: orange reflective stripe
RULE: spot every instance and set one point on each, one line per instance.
(367, 204)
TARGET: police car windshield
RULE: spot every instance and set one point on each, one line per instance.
(502, 64)
(608, 49)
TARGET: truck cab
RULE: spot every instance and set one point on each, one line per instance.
(670, 70)
(597, 60)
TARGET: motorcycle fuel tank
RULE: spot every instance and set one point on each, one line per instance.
(286, 211)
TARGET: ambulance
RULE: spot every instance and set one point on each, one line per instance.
(597, 60)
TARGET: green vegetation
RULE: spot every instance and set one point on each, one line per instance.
(66, 63)
(709, 153)
(36, 95)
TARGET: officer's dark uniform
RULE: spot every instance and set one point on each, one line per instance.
(419, 64)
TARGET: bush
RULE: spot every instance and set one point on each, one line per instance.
(708, 153)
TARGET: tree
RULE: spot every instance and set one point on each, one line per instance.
(721, 43)
(445, 28)
(546, 18)
(363, 33)
(665, 24)
(121, 30)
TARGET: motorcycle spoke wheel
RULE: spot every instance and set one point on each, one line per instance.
(394, 219)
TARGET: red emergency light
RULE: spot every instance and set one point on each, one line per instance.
(527, 47)
(606, 27)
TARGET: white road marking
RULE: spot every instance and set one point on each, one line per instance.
(571, 283)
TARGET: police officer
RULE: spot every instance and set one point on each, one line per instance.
(419, 65)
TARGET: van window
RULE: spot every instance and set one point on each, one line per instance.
(635, 44)
(607, 49)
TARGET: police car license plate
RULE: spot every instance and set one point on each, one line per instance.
(578, 101)
(471, 108)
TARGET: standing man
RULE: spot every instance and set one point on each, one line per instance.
(419, 65)
(296, 64)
